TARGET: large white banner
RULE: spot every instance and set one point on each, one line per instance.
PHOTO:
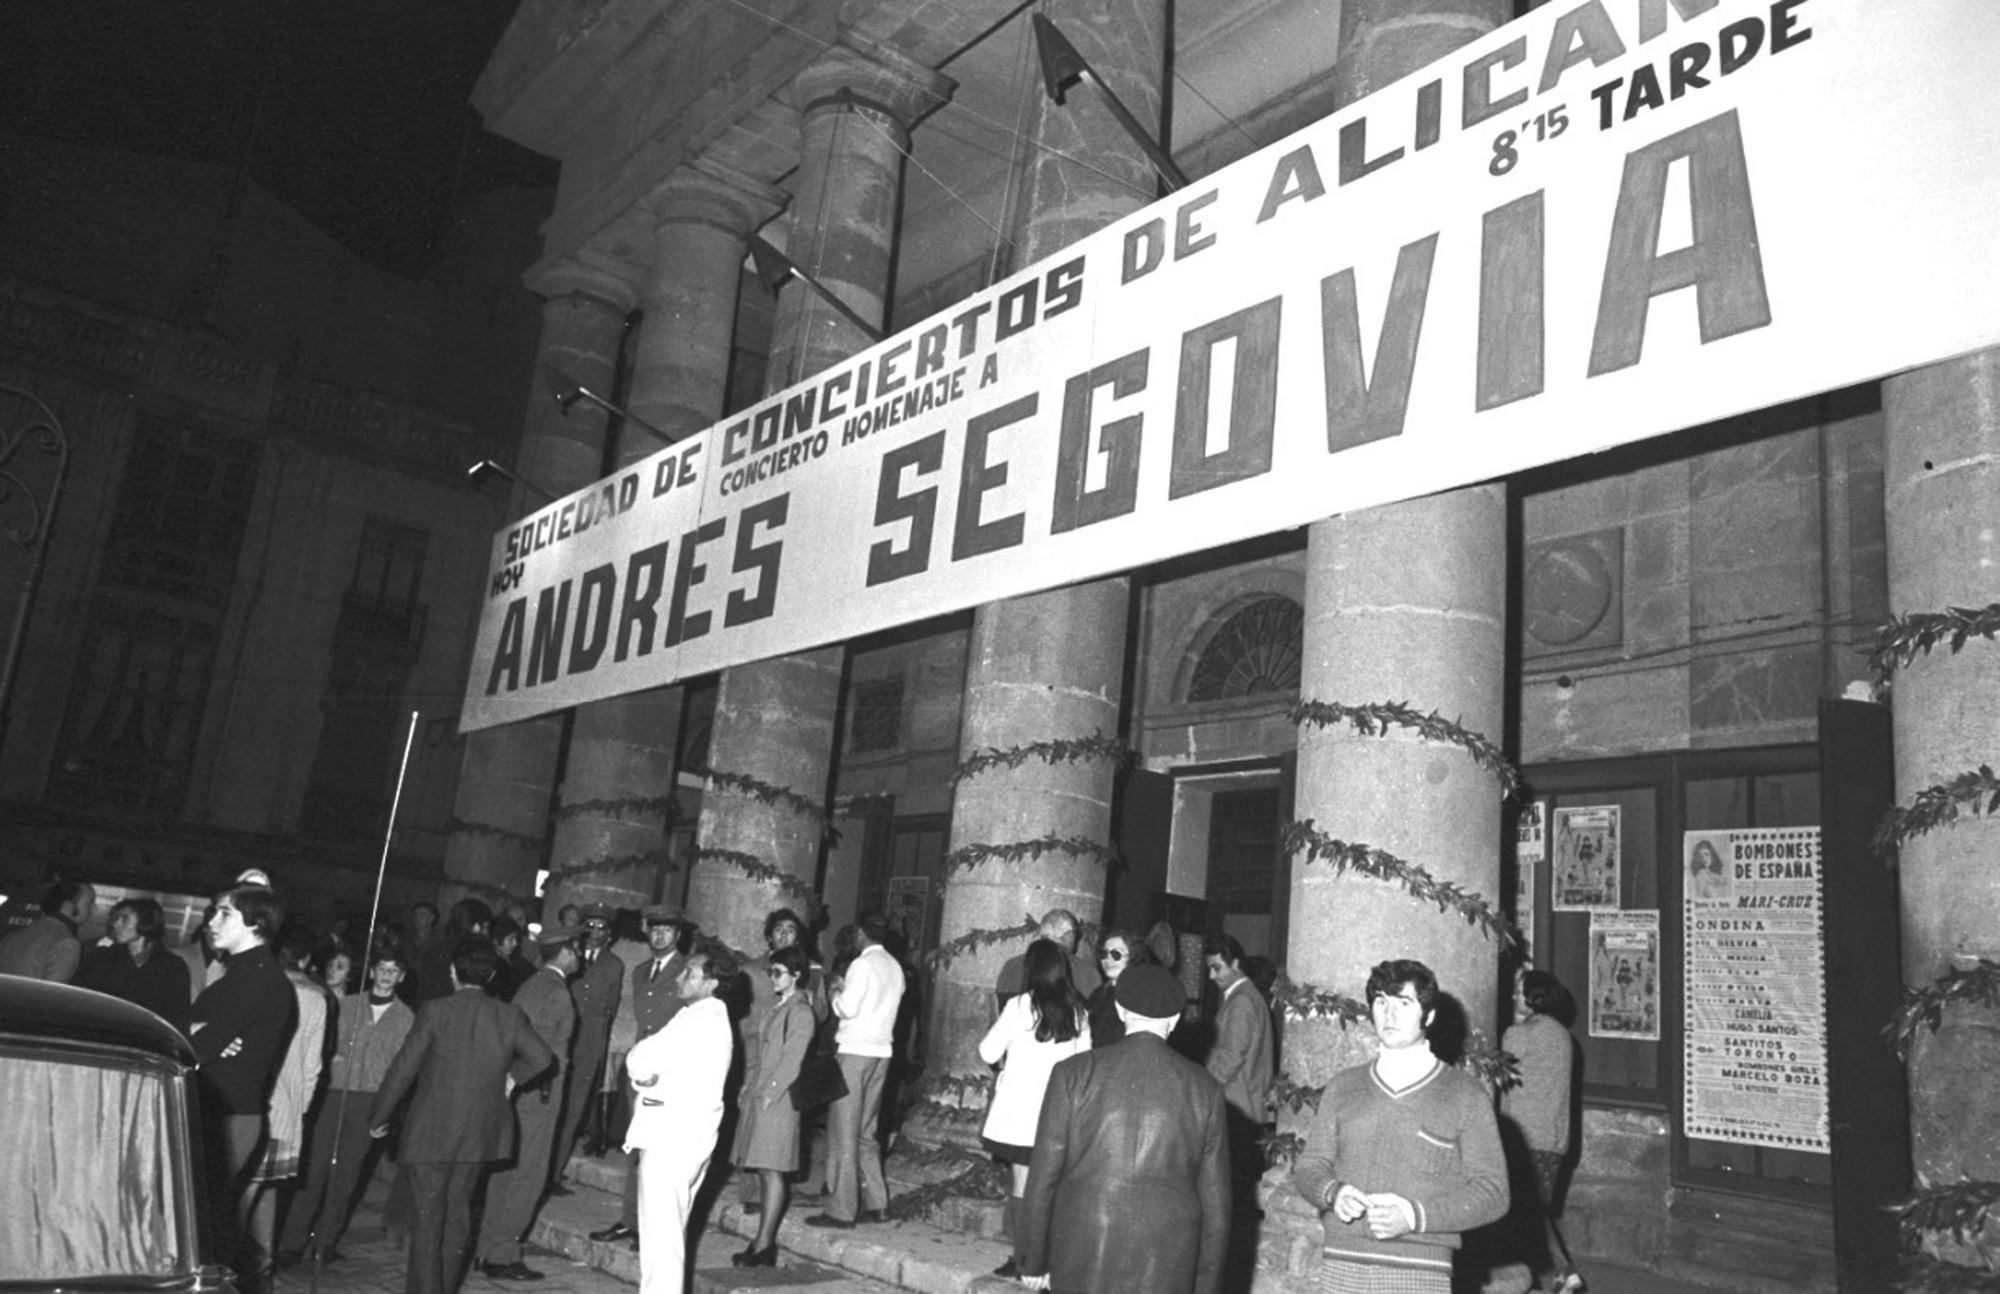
(1600, 223)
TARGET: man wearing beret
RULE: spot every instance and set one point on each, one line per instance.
(514, 1194)
(1128, 1190)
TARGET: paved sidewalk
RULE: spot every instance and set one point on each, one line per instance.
(873, 1259)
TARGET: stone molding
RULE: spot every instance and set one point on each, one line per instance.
(708, 192)
(858, 75)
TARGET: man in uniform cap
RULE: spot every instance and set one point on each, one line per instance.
(1128, 1190)
(596, 988)
(514, 1195)
(655, 1000)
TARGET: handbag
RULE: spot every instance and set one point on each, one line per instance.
(820, 1082)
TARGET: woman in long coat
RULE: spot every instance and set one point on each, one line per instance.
(767, 1133)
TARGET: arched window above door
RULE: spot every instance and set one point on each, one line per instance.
(1254, 651)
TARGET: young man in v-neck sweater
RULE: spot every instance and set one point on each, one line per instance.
(1407, 1155)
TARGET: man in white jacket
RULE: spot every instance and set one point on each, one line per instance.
(677, 1076)
(870, 993)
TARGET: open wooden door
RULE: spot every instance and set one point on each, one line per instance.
(1145, 823)
(1867, 1094)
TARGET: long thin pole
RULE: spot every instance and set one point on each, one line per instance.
(367, 950)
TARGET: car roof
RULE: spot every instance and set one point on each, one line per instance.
(39, 1009)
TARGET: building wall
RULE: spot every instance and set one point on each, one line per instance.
(365, 397)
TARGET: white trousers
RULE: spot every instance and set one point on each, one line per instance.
(668, 1179)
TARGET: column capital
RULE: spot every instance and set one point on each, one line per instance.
(591, 273)
(858, 74)
(708, 192)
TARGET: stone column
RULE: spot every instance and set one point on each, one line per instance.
(771, 747)
(1049, 666)
(1942, 504)
(618, 788)
(499, 827)
(1403, 603)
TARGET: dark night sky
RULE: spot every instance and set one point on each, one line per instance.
(353, 112)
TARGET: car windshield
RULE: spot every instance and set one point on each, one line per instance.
(89, 1188)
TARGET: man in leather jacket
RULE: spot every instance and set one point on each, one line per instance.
(1128, 1191)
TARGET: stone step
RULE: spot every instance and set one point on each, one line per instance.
(566, 1222)
(911, 1255)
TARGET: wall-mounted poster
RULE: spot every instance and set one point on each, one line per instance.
(1756, 988)
(1625, 975)
(1531, 846)
(1585, 875)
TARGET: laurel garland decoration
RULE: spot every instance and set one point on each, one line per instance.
(1306, 1002)
(1375, 720)
(1288, 1092)
(1937, 806)
(973, 940)
(984, 1180)
(1923, 1274)
(1904, 638)
(1304, 837)
(464, 827)
(1961, 1209)
(759, 870)
(619, 807)
(499, 892)
(765, 792)
(1281, 1148)
(966, 857)
(1097, 746)
(1978, 985)
(655, 858)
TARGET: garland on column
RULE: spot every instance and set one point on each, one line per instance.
(619, 806)
(1963, 1209)
(1096, 746)
(1937, 806)
(1375, 720)
(652, 858)
(973, 940)
(758, 870)
(463, 827)
(1301, 1001)
(1904, 638)
(967, 857)
(1448, 896)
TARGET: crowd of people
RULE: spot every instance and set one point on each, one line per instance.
(1132, 1117)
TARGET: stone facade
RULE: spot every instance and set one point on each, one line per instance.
(1692, 598)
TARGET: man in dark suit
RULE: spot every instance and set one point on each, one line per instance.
(514, 1194)
(1241, 1060)
(1128, 1190)
(655, 1000)
(464, 1056)
(597, 990)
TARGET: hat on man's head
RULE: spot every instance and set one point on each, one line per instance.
(1151, 991)
(551, 936)
(594, 912)
(661, 914)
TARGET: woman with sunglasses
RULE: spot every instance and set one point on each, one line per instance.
(768, 1140)
(1117, 952)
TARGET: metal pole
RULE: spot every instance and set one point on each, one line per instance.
(367, 950)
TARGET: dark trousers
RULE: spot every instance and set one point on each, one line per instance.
(514, 1193)
(443, 1225)
(320, 1210)
(235, 1144)
(580, 1084)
